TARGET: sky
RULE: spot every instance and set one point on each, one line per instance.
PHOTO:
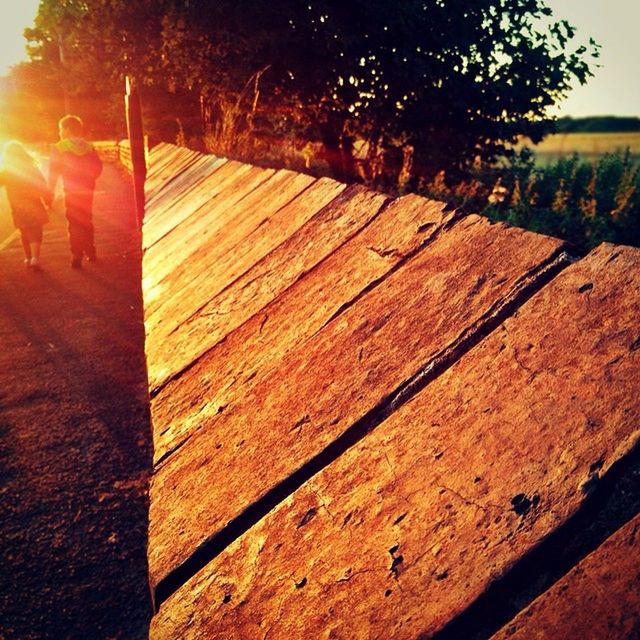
(615, 24)
(615, 87)
(17, 15)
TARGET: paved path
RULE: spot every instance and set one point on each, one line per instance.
(74, 434)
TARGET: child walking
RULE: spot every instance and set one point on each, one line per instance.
(28, 198)
(75, 160)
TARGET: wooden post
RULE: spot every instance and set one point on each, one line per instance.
(133, 110)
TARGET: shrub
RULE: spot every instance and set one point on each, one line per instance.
(582, 202)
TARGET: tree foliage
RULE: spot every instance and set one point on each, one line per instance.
(387, 88)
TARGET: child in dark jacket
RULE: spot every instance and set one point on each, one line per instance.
(28, 198)
(76, 161)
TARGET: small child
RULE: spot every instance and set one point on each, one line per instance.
(28, 197)
(76, 161)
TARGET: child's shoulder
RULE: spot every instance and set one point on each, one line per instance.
(75, 146)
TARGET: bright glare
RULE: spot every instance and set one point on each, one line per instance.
(16, 17)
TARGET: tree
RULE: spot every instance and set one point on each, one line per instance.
(86, 47)
(455, 80)
(452, 80)
(389, 88)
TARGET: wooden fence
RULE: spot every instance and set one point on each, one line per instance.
(380, 418)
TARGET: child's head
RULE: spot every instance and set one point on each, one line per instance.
(70, 127)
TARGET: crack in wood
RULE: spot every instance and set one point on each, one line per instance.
(613, 502)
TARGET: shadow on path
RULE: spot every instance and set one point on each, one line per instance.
(75, 438)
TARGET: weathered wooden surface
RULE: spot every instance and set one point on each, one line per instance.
(402, 531)
(261, 265)
(181, 199)
(364, 355)
(210, 223)
(246, 354)
(169, 252)
(362, 419)
(264, 219)
(166, 162)
(598, 600)
(258, 344)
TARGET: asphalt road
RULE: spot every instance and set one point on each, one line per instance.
(75, 446)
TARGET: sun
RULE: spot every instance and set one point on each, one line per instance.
(15, 19)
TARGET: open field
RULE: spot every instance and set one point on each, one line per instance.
(588, 145)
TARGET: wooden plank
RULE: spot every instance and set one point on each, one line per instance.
(208, 185)
(158, 155)
(228, 248)
(273, 261)
(340, 374)
(247, 354)
(161, 259)
(404, 530)
(181, 197)
(191, 280)
(161, 170)
(297, 237)
(172, 194)
(162, 190)
(180, 176)
(160, 158)
(597, 600)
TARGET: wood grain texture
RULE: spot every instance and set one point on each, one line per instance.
(340, 374)
(248, 274)
(409, 526)
(598, 599)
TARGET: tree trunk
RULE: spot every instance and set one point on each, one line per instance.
(338, 150)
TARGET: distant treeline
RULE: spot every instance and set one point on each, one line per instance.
(598, 124)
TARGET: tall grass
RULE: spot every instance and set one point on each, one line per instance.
(584, 202)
